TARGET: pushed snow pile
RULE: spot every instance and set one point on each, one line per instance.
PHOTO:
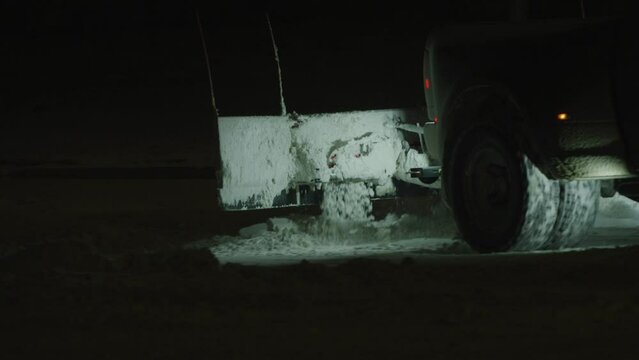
(265, 156)
(345, 228)
(297, 238)
(617, 211)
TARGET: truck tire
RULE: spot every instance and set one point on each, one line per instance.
(578, 203)
(500, 200)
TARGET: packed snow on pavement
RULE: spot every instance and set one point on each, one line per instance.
(345, 230)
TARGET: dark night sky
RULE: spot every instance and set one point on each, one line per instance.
(100, 77)
(72, 54)
(123, 74)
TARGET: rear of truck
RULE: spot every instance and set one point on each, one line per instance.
(558, 76)
(569, 79)
(522, 125)
(528, 123)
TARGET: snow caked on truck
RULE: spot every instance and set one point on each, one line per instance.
(528, 123)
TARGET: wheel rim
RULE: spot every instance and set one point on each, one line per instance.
(491, 191)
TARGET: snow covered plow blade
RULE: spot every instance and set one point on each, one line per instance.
(276, 161)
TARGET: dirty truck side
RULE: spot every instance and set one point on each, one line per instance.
(531, 120)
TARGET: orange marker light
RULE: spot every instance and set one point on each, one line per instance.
(562, 116)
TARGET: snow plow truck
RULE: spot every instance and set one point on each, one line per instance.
(528, 122)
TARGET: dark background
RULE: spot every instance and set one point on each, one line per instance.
(124, 84)
(96, 268)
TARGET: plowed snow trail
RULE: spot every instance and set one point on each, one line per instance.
(347, 230)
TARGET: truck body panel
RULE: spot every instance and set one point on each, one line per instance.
(543, 68)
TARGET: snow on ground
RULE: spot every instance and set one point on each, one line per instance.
(329, 237)
(345, 229)
(617, 211)
(282, 240)
(617, 224)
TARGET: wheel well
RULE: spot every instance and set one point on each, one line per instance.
(485, 105)
(490, 105)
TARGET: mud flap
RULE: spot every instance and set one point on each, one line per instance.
(275, 161)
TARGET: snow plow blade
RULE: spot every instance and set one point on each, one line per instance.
(277, 161)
